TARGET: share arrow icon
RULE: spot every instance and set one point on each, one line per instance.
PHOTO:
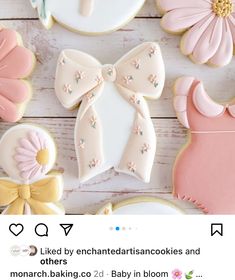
(67, 228)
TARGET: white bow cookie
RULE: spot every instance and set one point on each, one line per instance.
(113, 127)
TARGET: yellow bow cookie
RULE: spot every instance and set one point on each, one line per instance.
(38, 195)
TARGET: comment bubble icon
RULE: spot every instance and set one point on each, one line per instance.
(41, 230)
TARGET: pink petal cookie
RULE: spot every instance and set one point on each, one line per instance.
(204, 169)
(16, 63)
(208, 27)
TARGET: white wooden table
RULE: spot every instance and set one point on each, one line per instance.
(45, 109)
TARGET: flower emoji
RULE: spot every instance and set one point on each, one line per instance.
(16, 63)
(208, 27)
(177, 274)
(32, 155)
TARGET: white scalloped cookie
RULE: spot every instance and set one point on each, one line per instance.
(87, 16)
(28, 154)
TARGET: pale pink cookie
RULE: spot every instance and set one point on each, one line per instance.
(208, 27)
(16, 63)
(92, 17)
(28, 154)
(204, 169)
(113, 128)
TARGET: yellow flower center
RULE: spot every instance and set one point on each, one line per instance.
(222, 8)
(43, 157)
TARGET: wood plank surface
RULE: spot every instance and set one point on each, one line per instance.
(44, 108)
(111, 184)
(109, 48)
(12, 9)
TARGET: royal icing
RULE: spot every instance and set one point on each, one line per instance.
(209, 28)
(16, 63)
(28, 153)
(86, 7)
(87, 16)
(203, 172)
(113, 127)
(141, 206)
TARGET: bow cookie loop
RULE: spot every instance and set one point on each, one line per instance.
(142, 70)
(29, 153)
(77, 74)
(8, 192)
(48, 189)
(112, 101)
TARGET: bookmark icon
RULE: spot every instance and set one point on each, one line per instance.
(217, 229)
(67, 228)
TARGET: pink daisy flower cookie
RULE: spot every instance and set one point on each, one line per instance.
(28, 154)
(208, 28)
(16, 63)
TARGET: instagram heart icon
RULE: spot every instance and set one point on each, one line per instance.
(16, 229)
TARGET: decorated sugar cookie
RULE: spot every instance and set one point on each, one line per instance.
(141, 206)
(204, 169)
(16, 63)
(87, 16)
(208, 27)
(28, 154)
(113, 127)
